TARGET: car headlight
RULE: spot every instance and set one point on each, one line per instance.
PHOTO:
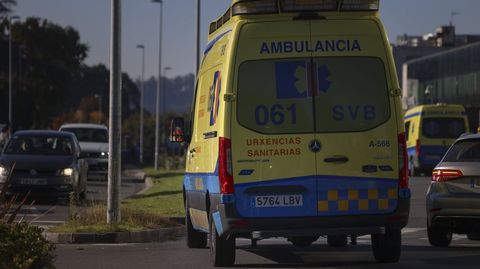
(65, 172)
(104, 154)
(3, 174)
(3, 171)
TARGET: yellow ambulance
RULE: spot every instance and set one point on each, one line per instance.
(296, 130)
(430, 130)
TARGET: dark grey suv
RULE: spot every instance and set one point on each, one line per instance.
(453, 199)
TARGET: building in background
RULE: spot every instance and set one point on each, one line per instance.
(451, 76)
(409, 47)
(440, 67)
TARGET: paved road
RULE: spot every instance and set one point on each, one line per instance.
(278, 253)
(52, 212)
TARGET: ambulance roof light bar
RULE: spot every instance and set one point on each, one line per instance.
(308, 5)
(255, 7)
(249, 7)
(360, 5)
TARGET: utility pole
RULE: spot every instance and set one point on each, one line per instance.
(142, 89)
(159, 83)
(198, 38)
(115, 136)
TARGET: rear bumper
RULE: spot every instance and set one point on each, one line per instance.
(457, 224)
(228, 222)
(455, 213)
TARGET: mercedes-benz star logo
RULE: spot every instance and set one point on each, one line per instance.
(315, 146)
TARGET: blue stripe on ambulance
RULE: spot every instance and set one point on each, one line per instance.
(324, 196)
(202, 182)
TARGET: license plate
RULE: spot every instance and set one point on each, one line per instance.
(278, 200)
(33, 181)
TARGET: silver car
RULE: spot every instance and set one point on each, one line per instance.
(93, 139)
(453, 199)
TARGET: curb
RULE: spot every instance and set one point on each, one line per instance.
(159, 235)
(148, 184)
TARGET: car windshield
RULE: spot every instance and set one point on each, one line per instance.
(39, 145)
(443, 127)
(464, 151)
(89, 134)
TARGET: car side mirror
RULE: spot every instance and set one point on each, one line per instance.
(177, 131)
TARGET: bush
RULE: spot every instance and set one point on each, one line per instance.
(21, 246)
(24, 247)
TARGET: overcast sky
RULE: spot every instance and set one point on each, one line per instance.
(141, 25)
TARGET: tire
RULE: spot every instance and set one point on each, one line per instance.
(473, 236)
(387, 247)
(195, 239)
(222, 249)
(337, 241)
(439, 238)
(302, 241)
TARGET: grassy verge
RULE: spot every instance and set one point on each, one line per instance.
(145, 211)
(164, 198)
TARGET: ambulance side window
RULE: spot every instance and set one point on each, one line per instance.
(208, 101)
(407, 129)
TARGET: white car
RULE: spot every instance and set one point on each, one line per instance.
(93, 140)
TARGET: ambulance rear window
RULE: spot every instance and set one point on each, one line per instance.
(305, 95)
(443, 127)
(464, 151)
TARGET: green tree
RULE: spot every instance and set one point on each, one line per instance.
(46, 56)
(6, 7)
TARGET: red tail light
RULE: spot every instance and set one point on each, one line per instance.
(418, 150)
(442, 175)
(402, 161)
(225, 172)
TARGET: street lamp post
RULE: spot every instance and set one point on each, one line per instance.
(157, 103)
(197, 38)
(10, 19)
(142, 88)
(164, 104)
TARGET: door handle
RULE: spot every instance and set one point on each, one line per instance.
(336, 159)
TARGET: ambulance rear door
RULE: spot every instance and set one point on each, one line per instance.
(355, 119)
(272, 121)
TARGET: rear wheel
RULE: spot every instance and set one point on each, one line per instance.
(438, 237)
(473, 236)
(337, 241)
(302, 241)
(222, 248)
(387, 247)
(195, 239)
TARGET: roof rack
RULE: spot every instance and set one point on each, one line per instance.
(262, 7)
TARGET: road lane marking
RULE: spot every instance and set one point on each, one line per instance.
(45, 213)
